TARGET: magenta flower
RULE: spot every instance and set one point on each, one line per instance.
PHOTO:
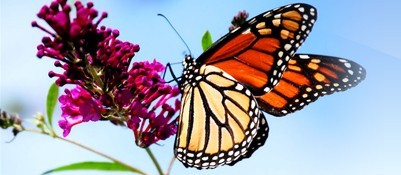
(78, 106)
(238, 20)
(80, 43)
(108, 87)
(153, 93)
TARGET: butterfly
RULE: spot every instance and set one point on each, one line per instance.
(252, 69)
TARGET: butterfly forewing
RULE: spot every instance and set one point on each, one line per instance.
(218, 122)
(307, 78)
(257, 52)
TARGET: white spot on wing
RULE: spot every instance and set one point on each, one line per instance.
(280, 54)
(239, 87)
(198, 78)
(253, 104)
(234, 30)
(287, 58)
(287, 47)
(252, 21)
(304, 56)
(303, 27)
(248, 93)
(267, 14)
(351, 72)
(279, 62)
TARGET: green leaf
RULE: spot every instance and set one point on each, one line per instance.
(51, 102)
(100, 166)
(206, 40)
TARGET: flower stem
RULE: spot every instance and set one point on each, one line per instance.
(170, 166)
(154, 160)
(91, 150)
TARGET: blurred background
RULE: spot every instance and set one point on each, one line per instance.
(353, 132)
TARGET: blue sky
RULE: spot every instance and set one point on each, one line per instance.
(353, 132)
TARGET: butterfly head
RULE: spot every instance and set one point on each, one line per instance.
(188, 62)
(191, 71)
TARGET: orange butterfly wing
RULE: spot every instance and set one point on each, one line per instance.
(307, 78)
(257, 53)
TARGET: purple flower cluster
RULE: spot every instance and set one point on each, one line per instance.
(107, 87)
(78, 106)
(145, 106)
(238, 20)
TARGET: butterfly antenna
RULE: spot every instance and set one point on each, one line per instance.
(171, 25)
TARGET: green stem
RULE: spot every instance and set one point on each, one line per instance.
(95, 76)
(154, 160)
(91, 150)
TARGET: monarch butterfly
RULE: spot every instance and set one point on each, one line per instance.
(252, 69)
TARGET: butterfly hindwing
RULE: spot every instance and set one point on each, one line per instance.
(259, 140)
(307, 78)
(256, 54)
(219, 119)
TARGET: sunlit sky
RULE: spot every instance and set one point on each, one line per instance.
(353, 132)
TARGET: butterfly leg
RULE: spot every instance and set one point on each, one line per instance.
(176, 79)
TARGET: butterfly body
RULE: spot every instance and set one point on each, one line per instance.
(252, 69)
